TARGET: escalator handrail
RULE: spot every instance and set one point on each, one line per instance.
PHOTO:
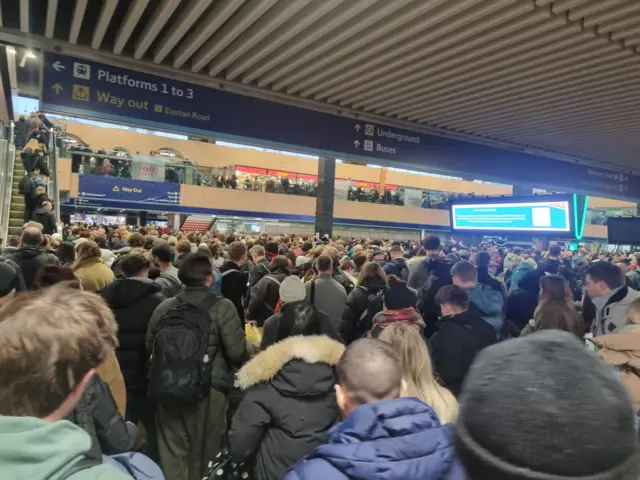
(7, 184)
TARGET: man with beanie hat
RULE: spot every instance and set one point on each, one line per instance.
(399, 306)
(292, 299)
(543, 407)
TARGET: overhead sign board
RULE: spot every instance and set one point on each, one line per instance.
(95, 188)
(80, 87)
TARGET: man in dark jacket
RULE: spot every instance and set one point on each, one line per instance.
(133, 300)
(381, 432)
(30, 257)
(190, 435)
(260, 265)
(427, 277)
(552, 262)
(461, 335)
(397, 265)
(234, 280)
(45, 216)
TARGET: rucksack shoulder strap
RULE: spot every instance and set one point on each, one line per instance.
(85, 463)
(273, 279)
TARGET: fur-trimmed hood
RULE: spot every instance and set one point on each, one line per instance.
(310, 351)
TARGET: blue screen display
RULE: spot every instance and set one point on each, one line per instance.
(526, 217)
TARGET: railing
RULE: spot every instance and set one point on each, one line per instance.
(163, 169)
(7, 162)
(54, 185)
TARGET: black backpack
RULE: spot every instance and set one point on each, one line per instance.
(24, 187)
(180, 371)
(439, 276)
(116, 266)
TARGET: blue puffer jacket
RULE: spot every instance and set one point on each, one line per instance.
(399, 439)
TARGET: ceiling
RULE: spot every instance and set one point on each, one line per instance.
(560, 76)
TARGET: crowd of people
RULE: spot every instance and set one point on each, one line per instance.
(143, 353)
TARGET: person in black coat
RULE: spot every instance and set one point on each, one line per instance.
(522, 302)
(294, 305)
(357, 318)
(31, 257)
(97, 414)
(461, 334)
(45, 216)
(133, 300)
(234, 280)
(290, 402)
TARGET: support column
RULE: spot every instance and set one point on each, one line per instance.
(325, 195)
(519, 190)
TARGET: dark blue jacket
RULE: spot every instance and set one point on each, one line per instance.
(397, 267)
(399, 439)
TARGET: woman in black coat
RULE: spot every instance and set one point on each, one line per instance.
(289, 403)
(364, 302)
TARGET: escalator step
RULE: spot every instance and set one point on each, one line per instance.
(16, 222)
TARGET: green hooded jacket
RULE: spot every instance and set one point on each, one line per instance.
(34, 449)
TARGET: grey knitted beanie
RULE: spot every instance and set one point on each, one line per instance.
(544, 407)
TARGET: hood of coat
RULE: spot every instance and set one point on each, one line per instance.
(125, 291)
(36, 449)
(488, 301)
(374, 284)
(29, 251)
(295, 366)
(402, 438)
(404, 315)
(470, 321)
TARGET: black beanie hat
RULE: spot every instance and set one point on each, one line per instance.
(399, 296)
(544, 407)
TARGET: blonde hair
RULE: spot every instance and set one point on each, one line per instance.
(633, 312)
(49, 340)
(418, 371)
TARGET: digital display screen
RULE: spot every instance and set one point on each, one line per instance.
(539, 216)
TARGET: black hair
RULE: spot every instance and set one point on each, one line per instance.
(607, 272)
(482, 259)
(453, 295)
(101, 241)
(66, 253)
(134, 265)
(432, 242)
(163, 252)
(194, 269)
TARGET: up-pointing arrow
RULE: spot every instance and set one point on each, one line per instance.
(58, 88)
(356, 143)
(357, 127)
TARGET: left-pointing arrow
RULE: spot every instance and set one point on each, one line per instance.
(58, 66)
(58, 88)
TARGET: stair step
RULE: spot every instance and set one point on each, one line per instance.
(17, 200)
(16, 222)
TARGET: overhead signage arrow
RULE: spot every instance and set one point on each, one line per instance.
(58, 66)
(356, 143)
(357, 127)
(58, 88)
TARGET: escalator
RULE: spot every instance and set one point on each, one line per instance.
(16, 210)
(11, 172)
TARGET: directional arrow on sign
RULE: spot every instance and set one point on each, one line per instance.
(357, 127)
(58, 66)
(58, 88)
(356, 143)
